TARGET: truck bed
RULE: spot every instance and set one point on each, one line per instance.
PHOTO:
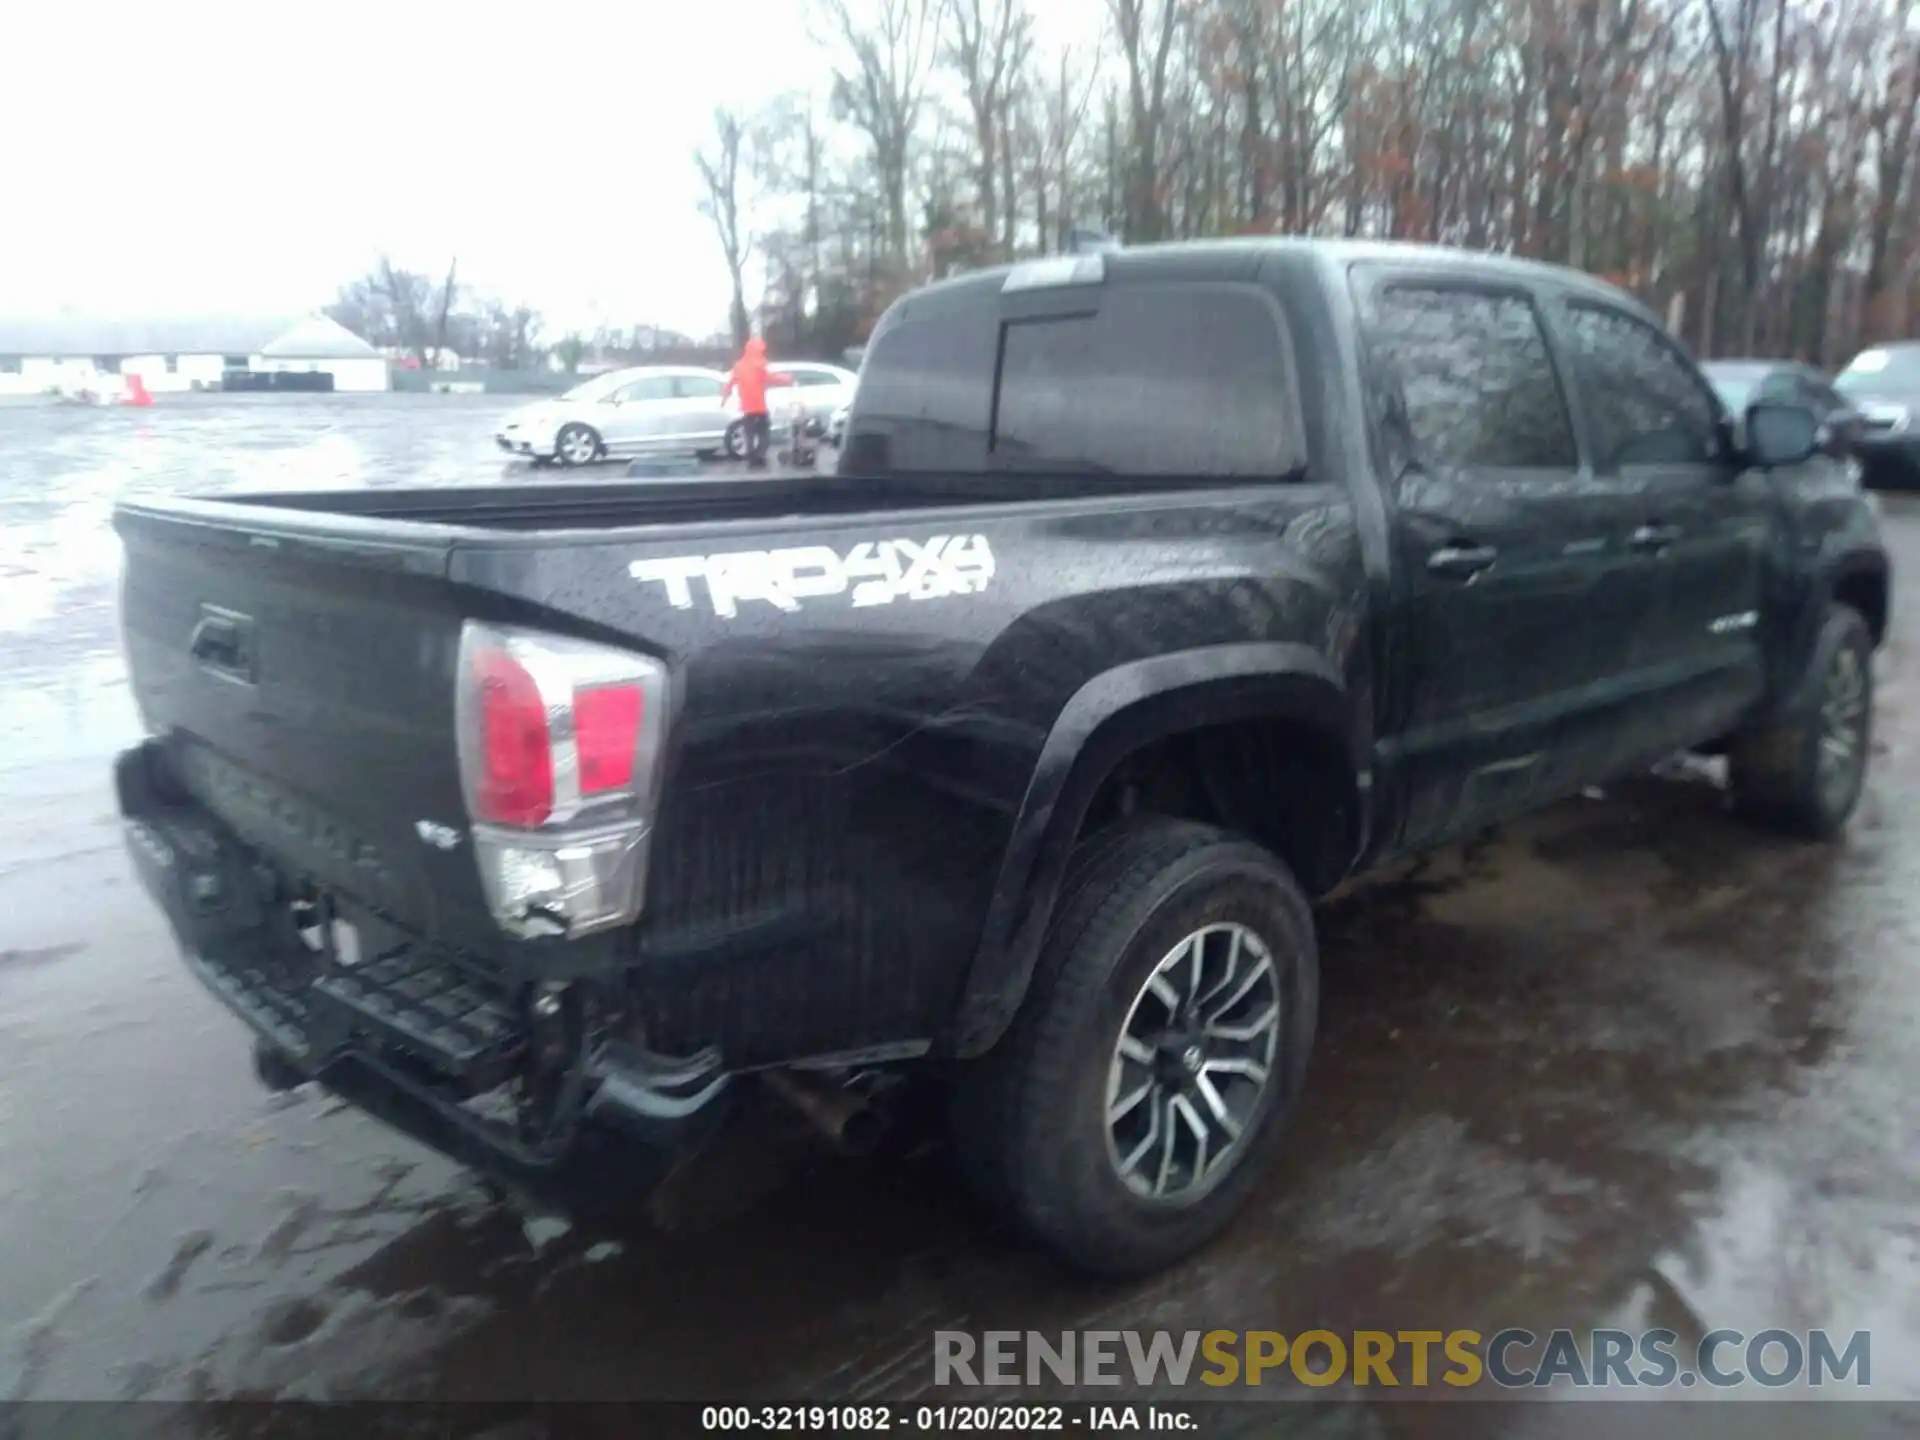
(615, 505)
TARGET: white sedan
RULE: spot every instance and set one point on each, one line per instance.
(823, 389)
(645, 410)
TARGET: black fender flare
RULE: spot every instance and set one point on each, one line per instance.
(1109, 717)
(1851, 569)
(1861, 564)
(1836, 575)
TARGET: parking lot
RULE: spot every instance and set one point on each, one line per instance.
(1627, 1063)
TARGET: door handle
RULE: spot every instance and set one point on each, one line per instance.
(222, 642)
(215, 639)
(1654, 538)
(1461, 562)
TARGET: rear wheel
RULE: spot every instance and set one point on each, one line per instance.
(735, 441)
(578, 445)
(1139, 1094)
(1804, 774)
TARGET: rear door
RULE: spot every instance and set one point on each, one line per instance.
(1655, 425)
(1518, 602)
(699, 417)
(640, 414)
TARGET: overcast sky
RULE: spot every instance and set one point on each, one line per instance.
(210, 156)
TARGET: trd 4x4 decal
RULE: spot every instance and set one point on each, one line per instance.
(878, 572)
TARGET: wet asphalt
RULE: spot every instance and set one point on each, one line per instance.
(1624, 1064)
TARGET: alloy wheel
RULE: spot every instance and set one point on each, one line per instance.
(577, 446)
(1843, 727)
(1192, 1064)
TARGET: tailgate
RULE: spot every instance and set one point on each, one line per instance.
(303, 687)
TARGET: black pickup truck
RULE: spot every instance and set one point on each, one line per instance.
(1156, 592)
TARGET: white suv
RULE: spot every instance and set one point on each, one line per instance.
(823, 389)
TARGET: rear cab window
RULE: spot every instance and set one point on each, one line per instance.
(1178, 380)
(1151, 380)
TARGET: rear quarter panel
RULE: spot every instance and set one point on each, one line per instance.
(846, 765)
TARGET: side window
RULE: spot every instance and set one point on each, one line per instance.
(696, 387)
(1646, 404)
(812, 379)
(1473, 371)
(653, 387)
(1164, 381)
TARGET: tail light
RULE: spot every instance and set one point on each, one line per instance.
(559, 744)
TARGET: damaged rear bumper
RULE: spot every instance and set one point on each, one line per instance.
(419, 1038)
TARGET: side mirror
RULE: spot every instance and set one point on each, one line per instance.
(1779, 435)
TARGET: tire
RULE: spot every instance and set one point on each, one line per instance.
(1803, 774)
(734, 443)
(1031, 1118)
(577, 444)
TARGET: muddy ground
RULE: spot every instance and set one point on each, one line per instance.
(1625, 1064)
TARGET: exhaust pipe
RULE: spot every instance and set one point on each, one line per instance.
(840, 1114)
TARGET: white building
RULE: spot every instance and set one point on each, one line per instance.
(174, 355)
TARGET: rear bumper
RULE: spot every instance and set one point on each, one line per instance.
(416, 1038)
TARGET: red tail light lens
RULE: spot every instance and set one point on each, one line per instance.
(560, 743)
(515, 783)
(556, 733)
(606, 727)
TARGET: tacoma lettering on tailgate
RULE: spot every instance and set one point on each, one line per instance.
(878, 572)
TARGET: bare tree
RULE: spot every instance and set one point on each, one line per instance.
(1746, 166)
(1733, 60)
(1062, 100)
(1891, 122)
(402, 310)
(883, 92)
(988, 42)
(399, 309)
(442, 314)
(1146, 32)
(722, 202)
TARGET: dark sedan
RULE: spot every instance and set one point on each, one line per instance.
(1883, 384)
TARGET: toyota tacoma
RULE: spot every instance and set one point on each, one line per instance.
(1156, 592)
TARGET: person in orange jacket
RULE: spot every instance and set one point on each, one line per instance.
(749, 379)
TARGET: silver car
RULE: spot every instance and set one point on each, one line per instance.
(644, 410)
